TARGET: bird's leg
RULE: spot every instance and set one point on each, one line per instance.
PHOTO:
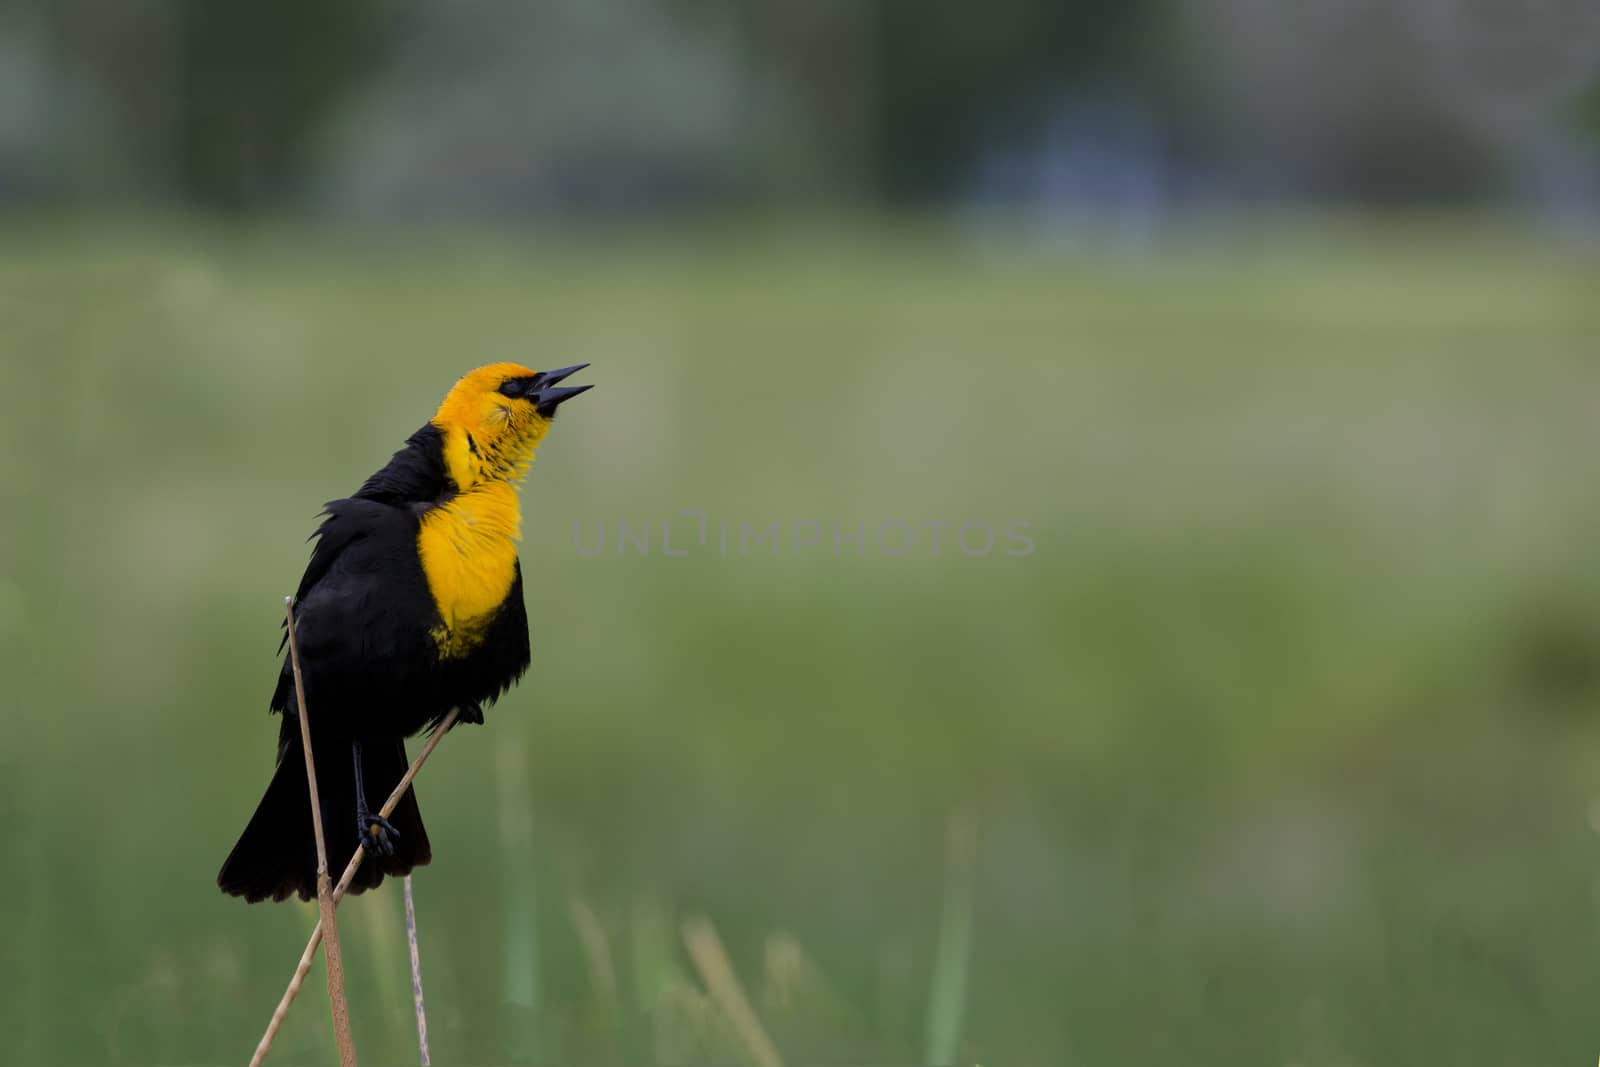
(374, 831)
(472, 713)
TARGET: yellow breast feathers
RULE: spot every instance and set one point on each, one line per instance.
(469, 555)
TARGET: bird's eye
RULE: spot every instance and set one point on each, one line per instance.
(511, 387)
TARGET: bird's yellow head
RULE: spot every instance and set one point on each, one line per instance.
(495, 417)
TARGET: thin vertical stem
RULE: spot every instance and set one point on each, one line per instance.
(416, 976)
(336, 1001)
(947, 996)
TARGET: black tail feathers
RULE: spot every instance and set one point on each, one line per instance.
(276, 856)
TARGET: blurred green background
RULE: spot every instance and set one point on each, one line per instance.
(1279, 330)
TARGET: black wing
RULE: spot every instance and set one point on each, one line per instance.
(415, 475)
(363, 611)
(342, 526)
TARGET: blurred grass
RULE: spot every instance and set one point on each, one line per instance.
(1282, 743)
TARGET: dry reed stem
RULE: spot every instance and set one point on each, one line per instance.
(345, 879)
(711, 960)
(416, 977)
(336, 1002)
(596, 948)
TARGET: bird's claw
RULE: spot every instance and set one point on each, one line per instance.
(377, 834)
(471, 713)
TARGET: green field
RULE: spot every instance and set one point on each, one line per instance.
(1281, 747)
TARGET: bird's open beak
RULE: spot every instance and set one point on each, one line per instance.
(546, 399)
(551, 377)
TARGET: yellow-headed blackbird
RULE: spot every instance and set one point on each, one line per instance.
(411, 605)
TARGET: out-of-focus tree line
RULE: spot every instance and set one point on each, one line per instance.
(484, 106)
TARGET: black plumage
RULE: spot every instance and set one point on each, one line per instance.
(374, 675)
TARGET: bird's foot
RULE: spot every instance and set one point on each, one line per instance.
(377, 834)
(471, 713)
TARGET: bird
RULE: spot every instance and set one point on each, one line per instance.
(411, 605)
